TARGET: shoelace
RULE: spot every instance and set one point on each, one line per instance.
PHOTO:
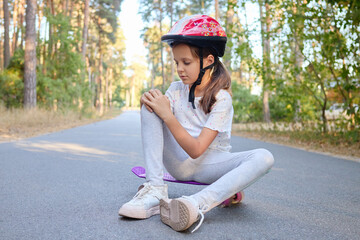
(147, 188)
(201, 221)
(201, 211)
(142, 191)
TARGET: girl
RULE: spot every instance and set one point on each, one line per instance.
(187, 131)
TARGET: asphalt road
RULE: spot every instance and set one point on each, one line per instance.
(70, 185)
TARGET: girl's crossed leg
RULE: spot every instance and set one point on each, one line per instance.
(227, 173)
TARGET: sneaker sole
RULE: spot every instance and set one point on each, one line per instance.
(139, 214)
(175, 214)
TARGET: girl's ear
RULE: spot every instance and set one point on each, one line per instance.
(209, 60)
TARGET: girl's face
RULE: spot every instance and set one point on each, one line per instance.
(188, 66)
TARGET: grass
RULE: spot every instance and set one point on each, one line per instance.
(346, 145)
(19, 123)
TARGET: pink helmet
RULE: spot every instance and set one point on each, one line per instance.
(198, 30)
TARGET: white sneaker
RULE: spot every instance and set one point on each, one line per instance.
(145, 203)
(181, 213)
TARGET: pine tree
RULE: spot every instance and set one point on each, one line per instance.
(30, 56)
(7, 39)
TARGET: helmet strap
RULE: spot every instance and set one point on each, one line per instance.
(198, 81)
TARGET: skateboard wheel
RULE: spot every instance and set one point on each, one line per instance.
(236, 199)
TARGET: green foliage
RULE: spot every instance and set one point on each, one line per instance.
(64, 81)
(281, 110)
(63, 93)
(60, 84)
(11, 88)
(117, 100)
(247, 107)
(107, 9)
(17, 61)
(351, 8)
(11, 81)
(152, 37)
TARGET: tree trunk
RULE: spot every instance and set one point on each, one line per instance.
(44, 50)
(85, 29)
(1, 56)
(152, 77)
(50, 45)
(268, 67)
(40, 16)
(132, 93)
(127, 99)
(107, 89)
(7, 38)
(323, 108)
(89, 70)
(65, 7)
(266, 74)
(22, 11)
(15, 26)
(229, 32)
(30, 56)
(299, 59)
(20, 19)
(162, 67)
(110, 87)
(71, 9)
(100, 91)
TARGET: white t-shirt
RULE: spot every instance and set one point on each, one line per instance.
(194, 120)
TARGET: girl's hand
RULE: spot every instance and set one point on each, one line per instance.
(142, 101)
(158, 102)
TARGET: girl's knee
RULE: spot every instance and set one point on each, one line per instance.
(144, 110)
(145, 113)
(266, 156)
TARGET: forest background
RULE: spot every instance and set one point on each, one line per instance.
(301, 77)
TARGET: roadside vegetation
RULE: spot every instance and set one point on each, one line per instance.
(19, 123)
(342, 144)
(340, 138)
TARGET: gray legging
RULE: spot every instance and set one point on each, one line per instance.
(227, 173)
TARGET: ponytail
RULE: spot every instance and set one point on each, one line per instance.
(219, 79)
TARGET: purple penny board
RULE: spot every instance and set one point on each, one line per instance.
(140, 172)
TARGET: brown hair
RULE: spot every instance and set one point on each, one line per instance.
(219, 79)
